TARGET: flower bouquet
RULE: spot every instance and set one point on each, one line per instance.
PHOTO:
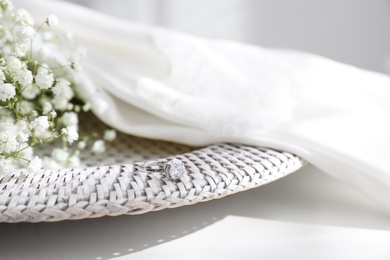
(39, 70)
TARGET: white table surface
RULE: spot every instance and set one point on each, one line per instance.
(307, 215)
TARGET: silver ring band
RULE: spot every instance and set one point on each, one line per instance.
(174, 169)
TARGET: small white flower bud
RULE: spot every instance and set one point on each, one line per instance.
(109, 135)
(87, 107)
(81, 145)
(53, 114)
(52, 21)
(72, 134)
(98, 147)
(64, 131)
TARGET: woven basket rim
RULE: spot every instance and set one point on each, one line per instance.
(110, 184)
(214, 172)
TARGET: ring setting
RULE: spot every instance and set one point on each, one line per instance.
(173, 169)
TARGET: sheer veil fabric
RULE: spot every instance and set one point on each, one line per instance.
(166, 85)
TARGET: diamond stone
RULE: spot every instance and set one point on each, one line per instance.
(174, 169)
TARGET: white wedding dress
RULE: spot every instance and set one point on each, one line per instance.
(165, 85)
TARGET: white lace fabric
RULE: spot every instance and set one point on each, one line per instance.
(171, 86)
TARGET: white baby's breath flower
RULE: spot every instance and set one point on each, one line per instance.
(20, 49)
(72, 134)
(60, 155)
(44, 134)
(8, 145)
(76, 66)
(23, 17)
(98, 147)
(8, 134)
(99, 106)
(64, 131)
(22, 137)
(24, 107)
(24, 77)
(52, 21)
(70, 119)
(47, 107)
(6, 118)
(62, 89)
(87, 107)
(73, 161)
(23, 33)
(81, 145)
(53, 114)
(44, 79)
(13, 64)
(7, 91)
(77, 108)
(35, 164)
(49, 163)
(38, 93)
(6, 165)
(21, 126)
(31, 91)
(33, 113)
(60, 103)
(40, 124)
(109, 135)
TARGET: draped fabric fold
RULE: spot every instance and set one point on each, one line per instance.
(167, 85)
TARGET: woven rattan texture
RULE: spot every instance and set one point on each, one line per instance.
(108, 184)
(213, 172)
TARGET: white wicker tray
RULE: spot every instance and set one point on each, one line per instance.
(110, 184)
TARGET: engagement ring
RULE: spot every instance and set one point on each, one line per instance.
(174, 169)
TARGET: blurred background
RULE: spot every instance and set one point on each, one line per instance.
(351, 31)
